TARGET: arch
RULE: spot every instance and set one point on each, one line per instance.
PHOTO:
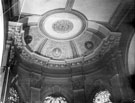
(57, 90)
(55, 98)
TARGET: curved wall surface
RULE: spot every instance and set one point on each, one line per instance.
(131, 56)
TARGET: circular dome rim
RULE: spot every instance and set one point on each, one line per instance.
(55, 11)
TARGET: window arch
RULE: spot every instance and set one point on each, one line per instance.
(55, 99)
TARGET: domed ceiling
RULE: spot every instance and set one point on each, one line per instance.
(61, 36)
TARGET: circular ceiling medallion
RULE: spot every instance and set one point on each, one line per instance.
(28, 39)
(62, 25)
(56, 52)
(89, 45)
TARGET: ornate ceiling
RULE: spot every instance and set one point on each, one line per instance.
(57, 45)
(61, 37)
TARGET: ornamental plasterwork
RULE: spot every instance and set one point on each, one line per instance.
(62, 26)
(90, 40)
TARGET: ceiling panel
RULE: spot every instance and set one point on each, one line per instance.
(98, 10)
(39, 7)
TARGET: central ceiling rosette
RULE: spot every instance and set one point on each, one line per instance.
(62, 25)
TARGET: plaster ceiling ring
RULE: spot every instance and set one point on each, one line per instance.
(62, 25)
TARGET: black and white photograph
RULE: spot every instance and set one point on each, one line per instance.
(67, 51)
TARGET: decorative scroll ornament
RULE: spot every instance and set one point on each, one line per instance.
(62, 26)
